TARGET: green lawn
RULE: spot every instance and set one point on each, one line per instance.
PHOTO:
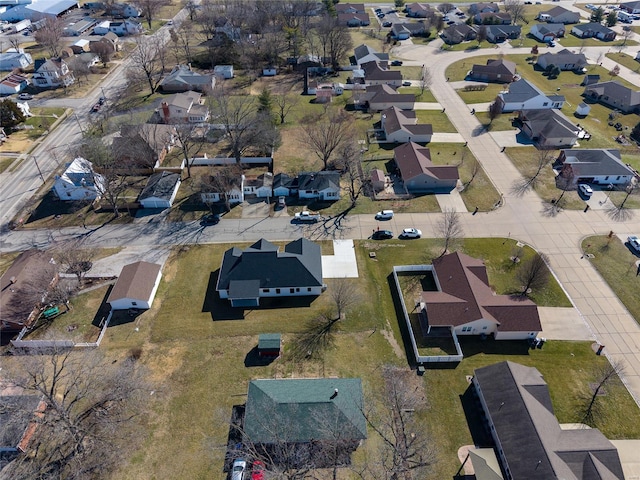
(6, 163)
(617, 266)
(571, 40)
(440, 122)
(425, 96)
(626, 60)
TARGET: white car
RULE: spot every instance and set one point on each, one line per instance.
(238, 469)
(585, 189)
(634, 241)
(384, 215)
(411, 233)
(25, 96)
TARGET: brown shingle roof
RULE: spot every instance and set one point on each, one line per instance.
(135, 281)
(466, 296)
(414, 160)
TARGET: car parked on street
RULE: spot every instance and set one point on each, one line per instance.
(396, 63)
(384, 215)
(257, 470)
(25, 96)
(382, 235)
(210, 219)
(634, 242)
(387, 24)
(406, 83)
(585, 189)
(411, 233)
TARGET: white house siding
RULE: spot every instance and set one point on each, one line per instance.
(534, 103)
(515, 335)
(383, 106)
(142, 303)
(69, 191)
(612, 179)
(402, 136)
(282, 292)
(477, 327)
(328, 194)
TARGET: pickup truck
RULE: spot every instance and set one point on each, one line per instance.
(306, 217)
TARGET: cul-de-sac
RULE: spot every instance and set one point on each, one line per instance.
(312, 239)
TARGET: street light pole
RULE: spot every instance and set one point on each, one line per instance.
(35, 160)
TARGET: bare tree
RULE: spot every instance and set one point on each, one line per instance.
(533, 273)
(74, 258)
(79, 67)
(146, 61)
(349, 162)
(475, 169)
(91, 406)
(283, 105)
(345, 294)
(481, 34)
(182, 38)
(327, 135)
(50, 35)
(622, 212)
(615, 71)
(406, 450)
(603, 376)
(626, 35)
(335, 40)
(190, 144)
(222, 181)
(446, 7)
(150, 9)
(15, 41)
(515, 8)
(425, 79)
(495, 110)
(528, 182)
(104, 52)
(449, 228)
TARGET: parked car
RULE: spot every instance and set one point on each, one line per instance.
(585, 189)
(590, 6)
(406, 83)
(387, 24)
(411, 233)
(101, 100)
(384, 215)
(257, 470)
(451, 22)
(95, 108)
(382, 235)
(306, 217)
(396, 63)
(381, 15)
(634, 241)
(210, 219)
(238, 469)
(551, 44)
(25, 96)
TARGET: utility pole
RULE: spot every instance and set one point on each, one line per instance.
(35, 160)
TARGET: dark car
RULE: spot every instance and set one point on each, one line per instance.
(396, 63)
(211, 219)
(95, 108)
(382, 235)
(101, 100)
(387, 24)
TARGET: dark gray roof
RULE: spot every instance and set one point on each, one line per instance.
(556, 11)
(263, 266)
(373, 71)
(318, 180)
(496, 66)
(363, 50)
(281, 180)
(522, 90)
(549, 123)
(269, 341)
(615, 90)
(593, 27)
(550, 28)
(564, 57)
(599, 161)
(302, 410)
(182, 75)
(160, 185)
(631, 5)
(504, 29)
(16, 411)
(536, 448)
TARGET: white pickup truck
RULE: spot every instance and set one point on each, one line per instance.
(307, 217)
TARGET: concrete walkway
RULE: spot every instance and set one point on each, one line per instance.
(427, 106)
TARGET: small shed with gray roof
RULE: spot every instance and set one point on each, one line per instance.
(160, 191)
(269, 344)
(136, 286)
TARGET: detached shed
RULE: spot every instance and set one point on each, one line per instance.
(136, 286)
(160, 191)
(583, 109)
(269, 345)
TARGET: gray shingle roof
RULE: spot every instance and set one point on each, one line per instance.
(396, 119)
(160, 185)
(136, 281)
(549, 123)
(302, 410)
(522, 90)
(593, 27)
(264, 265)
(536, 448)
(318, 180)
(594, 162)
(615, 90)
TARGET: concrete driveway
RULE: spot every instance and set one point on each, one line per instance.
(563, 324)
(112, 265)
(342, 264)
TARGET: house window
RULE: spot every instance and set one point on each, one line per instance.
(606, 178)
(265, 290)
(297, 289)
(68, 194)
(308, 289)
(618, 177)
(545, 104)
(484, 328)
(292, 290)
(134, 303)
(277, 291)
(466, 329)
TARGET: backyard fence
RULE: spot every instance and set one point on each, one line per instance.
(206, 161)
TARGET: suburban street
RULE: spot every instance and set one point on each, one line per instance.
(522, 218)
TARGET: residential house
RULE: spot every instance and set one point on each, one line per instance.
(564, 60)
(79, 182)
(523, 95)
(120, 28)
(404, 30)
(9, 61)
(323, 185)
(183, 79)
(13, 83)
(401, 126)
(559, 15)
(223, 71)
(631, 7)
(184, 108)
(102, 28)
(52, 73)
(349, 8)
(483, 7)
(312, 418)
(458, 33)
(80, 28)
(17, 309)
(376, 98)
(230, 191)
(260, 186)
(419, 174)
(123, 10)
(110, 39)
(598, 166)
(495, 71)
(419, 10)
(160, 191)
(374, 74)
(18, 423)
(614, 95)
(547, 32)
(365, 54)
(593, 30)
(81, 45)
(143, 146)
(492, 18)
(136, 286)
(548, 128)
(89, 59)
(465, 301)
(502, 33)
(262, 271)
(529, 441)
(326, 91)
(284, 185)
(353, 19)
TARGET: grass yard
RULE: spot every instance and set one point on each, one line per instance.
(626, 60)
(616, 263)
(6, 162)
(426, 96)
(438, 121)
(502, 123)
(197, 357)
(570, 40)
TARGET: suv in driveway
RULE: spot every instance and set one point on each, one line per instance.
(585, 189)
